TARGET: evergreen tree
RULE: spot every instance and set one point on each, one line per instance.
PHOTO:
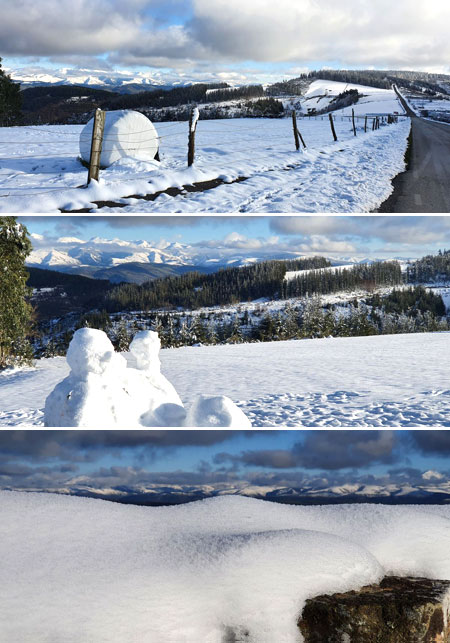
(291, 329)
(123, 337)
(197, 330)
(169, 336)
(10, 100)
(234, 332)
(211, 333)
(15, 310)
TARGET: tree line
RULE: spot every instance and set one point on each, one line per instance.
(401, 311)
(429, 269)
(194, 290)
(366, 276)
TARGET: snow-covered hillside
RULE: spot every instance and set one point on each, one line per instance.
(40, 170)
(372, 100)
(388, 380)
(77, 569)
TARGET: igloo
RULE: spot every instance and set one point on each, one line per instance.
(126, 133)
(104, 389)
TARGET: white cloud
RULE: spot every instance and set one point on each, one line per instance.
(402, 33)
(321, 243)
(432, 475)
(402, 231)
(405, 34)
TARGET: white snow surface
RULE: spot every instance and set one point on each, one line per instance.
(103, 391)
(373, 100)
(77, 569)
(40, 171)
(377, 381)
(127, 134)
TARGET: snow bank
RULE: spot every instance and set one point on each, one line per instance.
(126, 133)
(76, 569)
(103, 390)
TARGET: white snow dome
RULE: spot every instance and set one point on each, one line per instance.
(127, 133)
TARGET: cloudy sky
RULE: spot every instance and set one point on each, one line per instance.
(132, 460)
(225, 39)
(335, 236)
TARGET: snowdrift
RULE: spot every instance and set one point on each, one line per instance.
(126, 133)
(77, 569)
(104, 390)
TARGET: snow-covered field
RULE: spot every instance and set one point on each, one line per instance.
(373, 101)
(40, 171)
(377, 381)
(81, 570)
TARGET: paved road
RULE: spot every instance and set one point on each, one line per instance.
(425, 187)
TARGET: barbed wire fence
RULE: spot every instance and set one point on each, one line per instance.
(360, 124)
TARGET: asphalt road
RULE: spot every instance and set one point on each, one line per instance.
(425, 187)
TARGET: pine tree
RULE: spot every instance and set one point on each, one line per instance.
(197, 330)
(169, 337)
(211, 333)
(15, 310)
(123, 337)
(10, 100)
(234, 335)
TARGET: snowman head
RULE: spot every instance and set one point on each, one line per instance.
(145, 350)
(91, 352)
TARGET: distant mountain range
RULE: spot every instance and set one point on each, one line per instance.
(436, 493)
(116, 81)
(138, 261)
(133, 261)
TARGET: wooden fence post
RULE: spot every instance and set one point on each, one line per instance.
(332, 126)
(353, 121)
(373, 124)
(96, 144)
(301, 138)
(294, 125)
(365, 124)
(297, 134)
(192, 129)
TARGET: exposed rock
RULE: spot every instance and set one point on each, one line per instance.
(398, 610)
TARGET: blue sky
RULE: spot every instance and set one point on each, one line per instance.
(340, 236)
(251, 41)
(130, 460)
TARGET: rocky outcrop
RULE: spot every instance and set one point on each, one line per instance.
(398, 610)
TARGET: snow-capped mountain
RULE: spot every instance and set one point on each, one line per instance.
(119, 81)
(438, 493)
(88, 257)
(70, 254)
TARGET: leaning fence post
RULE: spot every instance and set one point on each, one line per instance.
(332, 127)
(96, 144)
(294, 125)
(353, 121)
(192, 129)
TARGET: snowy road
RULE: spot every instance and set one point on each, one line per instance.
(425, 187)
(387, 381)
